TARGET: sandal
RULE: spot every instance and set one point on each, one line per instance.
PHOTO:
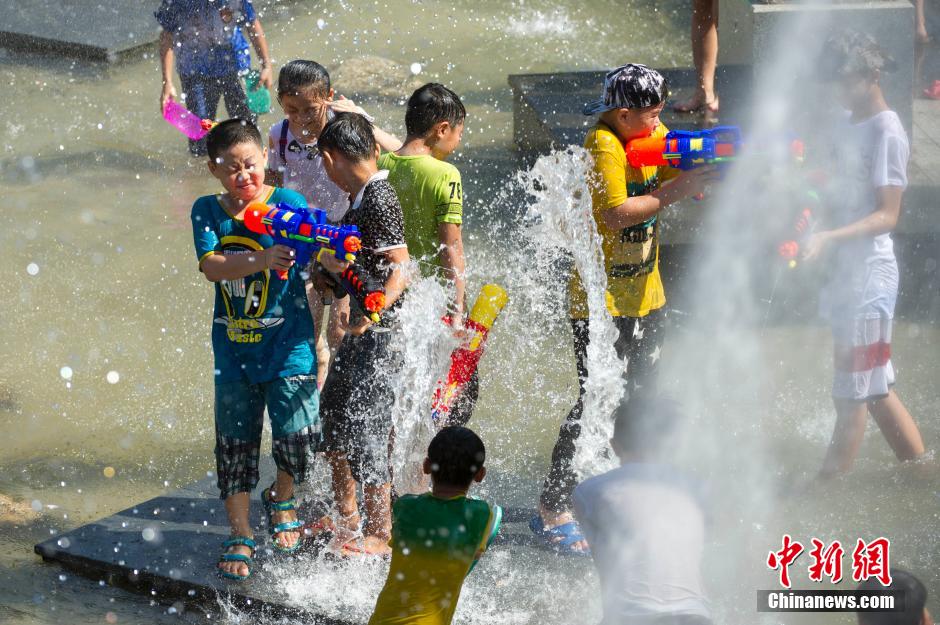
(559, 538)
(271, 506)
(228, 556)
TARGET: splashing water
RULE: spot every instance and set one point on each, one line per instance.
(562, 221)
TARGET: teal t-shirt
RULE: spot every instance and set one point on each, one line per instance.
(261, 327)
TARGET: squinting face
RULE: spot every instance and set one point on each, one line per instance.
(240, 169)
(637, 123)
(306, 113)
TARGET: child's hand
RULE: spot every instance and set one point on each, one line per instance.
(357, 329)
(266, 77)
(331, 263)
(168, 93)
(278, 257)
(816, 245)
(692, 183)
(343, 105)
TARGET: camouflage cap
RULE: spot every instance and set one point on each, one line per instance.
(630, 86)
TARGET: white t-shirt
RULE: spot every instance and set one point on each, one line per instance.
(646, 530)
(867, 155)
(302, 170)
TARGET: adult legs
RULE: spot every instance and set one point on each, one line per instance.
(897, 426)
(704, 38)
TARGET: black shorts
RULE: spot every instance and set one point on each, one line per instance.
(356, 403)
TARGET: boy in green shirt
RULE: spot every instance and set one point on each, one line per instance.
(431, 197)
(438, 537)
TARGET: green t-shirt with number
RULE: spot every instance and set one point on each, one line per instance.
(430, 194)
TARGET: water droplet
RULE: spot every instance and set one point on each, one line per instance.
(66, 372)
(36, 505)
(113, 377)
(64, 542)
(416, 68)
(109, 472)
(321, 23)
(32, 269)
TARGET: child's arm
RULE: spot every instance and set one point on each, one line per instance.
(388, 142)
(260, 42)
(636, 210)
(394, 286)
(454, 263)
(273, 176)
(166, 68)
(218, 267)
(883, 219)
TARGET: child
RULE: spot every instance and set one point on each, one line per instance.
(262, 338)
(626, 205)
(358, 395)
(305, 95)
(915, 601)
(431, 196)
(438, 537)
(871, 157)
(205, 37)
(645, 523)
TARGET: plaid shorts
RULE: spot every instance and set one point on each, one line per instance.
(293, 407)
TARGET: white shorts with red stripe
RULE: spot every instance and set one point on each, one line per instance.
(862, 357)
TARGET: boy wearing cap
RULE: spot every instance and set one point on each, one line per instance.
(626, 205)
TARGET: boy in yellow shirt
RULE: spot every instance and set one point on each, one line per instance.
(626, 205)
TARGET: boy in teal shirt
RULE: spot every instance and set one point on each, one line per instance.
(262, 340)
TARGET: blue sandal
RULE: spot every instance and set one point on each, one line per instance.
(559, 538)
(237, 541)
(271, 507)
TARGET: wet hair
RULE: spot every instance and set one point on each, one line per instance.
(431, 104)
(644, 422)
(350, 135)
(229, 133)
(914, 595)
(456, 454)
(300, 75)
(849, 53)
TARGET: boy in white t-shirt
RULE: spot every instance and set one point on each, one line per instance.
(645, 523)
(294, 162)
(870, 158)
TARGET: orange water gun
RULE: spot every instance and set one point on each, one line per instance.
(464, 359)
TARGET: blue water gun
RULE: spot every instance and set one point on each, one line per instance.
(686, 149)
(303, 230)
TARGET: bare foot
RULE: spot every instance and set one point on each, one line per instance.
(368, 546)
(554, 519)
(699, 103)
(236, 568)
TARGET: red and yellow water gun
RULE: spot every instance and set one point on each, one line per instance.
(464, 359)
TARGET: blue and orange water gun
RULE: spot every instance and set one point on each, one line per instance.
(689, 149)
(303, 230)
(686, 149)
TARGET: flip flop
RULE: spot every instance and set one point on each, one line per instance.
(352, 550)
(559, 538)
(237, 541)
(933, 91)
(271, 507)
